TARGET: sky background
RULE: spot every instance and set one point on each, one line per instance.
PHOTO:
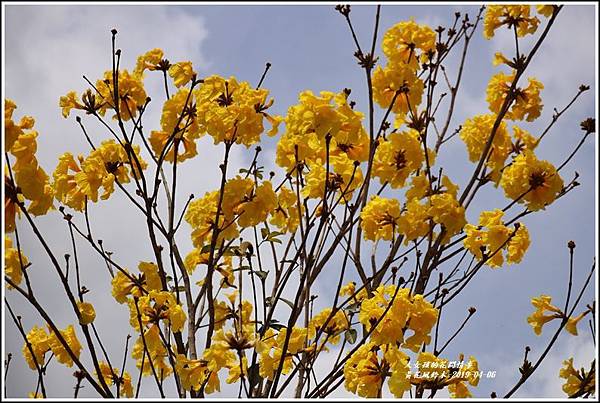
(48, 48)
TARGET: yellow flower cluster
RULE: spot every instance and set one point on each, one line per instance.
(111, 377)
(179, 129)
(324, 132)
(331, 325)
(30, 178)
(475, 133)
(74, 181)
(513, 16)
(42, 342)
(445, 210)
(270, 349)
(392, 78)
(406, 45)
(125, 284)
(531, 181)
(150, 309)
(232, 111)
(228, 346)
(527, 103)
(247, 201)
(155, 354)
(286, 215)
(195, 373)
(398, 156)
(366, 370)
(244, 204)
(412, 312)
(539, 317)
(492, 237)
(343, 178)
(12, 262)
(226, 349)
(382, 218)
(132, 96)
(314, 118)
(181, 72)
(577, 383)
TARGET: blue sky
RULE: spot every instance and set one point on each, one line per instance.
(48, 48)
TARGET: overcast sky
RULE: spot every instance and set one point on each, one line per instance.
(49, 48)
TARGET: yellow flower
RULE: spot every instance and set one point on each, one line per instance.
(545, 9)
(423, 316)
(577, 382)
(30, 179)
(491, 237)
(524, 140)
(388, 80)
(12, 262)
(69, 102)
(251, 204)
(517, 15)
(151, 277)
(268, 363)
(35, 395)
(65, 187)
(475, 133)
(444, 209)
(181, 73)
(87, 314)
(156, 353)
(233, 112)
(363, 373)
(518, 245)
(179, 128)
(415, 221)
(192, 373)
(399, 382)
(111, 377)
(286, 215)
(499, 59)
(459, 390)
(571, 325)
(237, 370)
(336, 325)
(414, 313)
(538, 319)
(132, 94)
(12, 130)
(397, 157)
(201, 215)
(154, 307)
(59, 350)
(531, 181)
(408, 43)
(38, 339)
(148, 61)
(313, 119)
(380, 218)
(343, 179)
(527, 103)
